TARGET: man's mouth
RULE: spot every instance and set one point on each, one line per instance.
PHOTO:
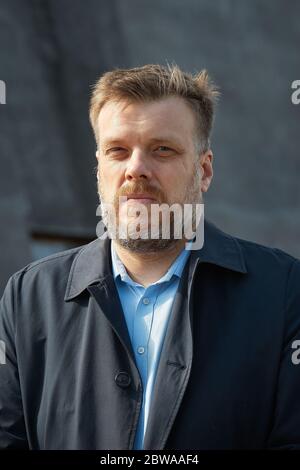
(142, 198)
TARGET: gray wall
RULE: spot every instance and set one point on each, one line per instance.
(52, 51)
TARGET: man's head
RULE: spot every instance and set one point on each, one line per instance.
(152, 126)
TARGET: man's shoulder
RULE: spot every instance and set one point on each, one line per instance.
(57, 264)
(253, 247)
(264, 257)
(50, 262)
(248, 255)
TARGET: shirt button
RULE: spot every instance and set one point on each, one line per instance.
(123, 379)
(141, 350)
(146, 301)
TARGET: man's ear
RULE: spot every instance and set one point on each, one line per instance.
(207, 170)
(97, 156)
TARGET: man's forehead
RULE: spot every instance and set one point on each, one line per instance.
(167, 116)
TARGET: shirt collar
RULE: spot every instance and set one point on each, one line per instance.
(175, 269)
(93, 264)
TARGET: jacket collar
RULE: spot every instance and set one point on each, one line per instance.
(92, 263)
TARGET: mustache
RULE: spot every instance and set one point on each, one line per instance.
(140, 187)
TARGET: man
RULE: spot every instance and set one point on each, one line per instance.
(139, 342)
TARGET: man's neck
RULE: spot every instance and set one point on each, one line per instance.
(147, 268)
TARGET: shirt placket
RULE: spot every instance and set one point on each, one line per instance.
(141, 332)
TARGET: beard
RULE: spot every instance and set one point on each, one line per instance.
(140, 236)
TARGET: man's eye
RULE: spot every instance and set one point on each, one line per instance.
(163, 148)
(115, 150)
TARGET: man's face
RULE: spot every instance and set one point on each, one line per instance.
(149, 149)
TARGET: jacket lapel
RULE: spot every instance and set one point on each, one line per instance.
(106, 295)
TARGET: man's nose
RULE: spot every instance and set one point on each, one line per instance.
(138, 166)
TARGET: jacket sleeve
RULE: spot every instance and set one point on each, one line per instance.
(12, 426)
(285, 432)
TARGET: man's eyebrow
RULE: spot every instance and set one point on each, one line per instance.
(170, 139)
(110, 141)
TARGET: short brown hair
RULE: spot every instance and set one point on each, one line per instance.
(152, 82)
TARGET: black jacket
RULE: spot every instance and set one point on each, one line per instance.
(226, 379)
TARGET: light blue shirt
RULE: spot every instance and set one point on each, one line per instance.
(147, 311)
